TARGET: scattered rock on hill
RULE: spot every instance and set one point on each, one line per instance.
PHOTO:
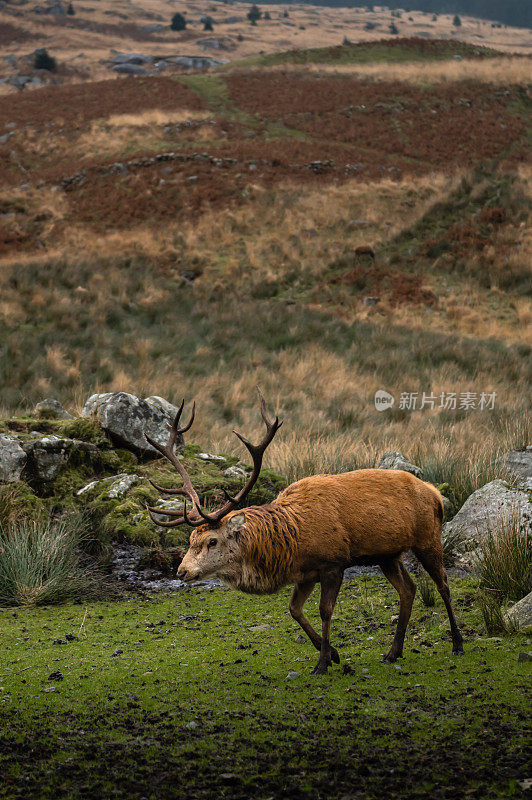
(520, 615)
(488, 508)
(131, 69)
(12, 459)
(51, 409)
(395, 460)
(126, 418)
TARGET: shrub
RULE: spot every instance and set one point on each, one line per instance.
(457, 22)
(70, 10)
(179, 23)
(207, 25)
(40, 563)
(504, 561)
(43, 60)
(494, 619)
(254, 14)
(393, 28)
(267, 15)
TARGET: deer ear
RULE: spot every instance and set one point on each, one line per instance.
(235, 525)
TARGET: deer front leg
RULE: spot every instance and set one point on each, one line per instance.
(300, 595)
(330, 586)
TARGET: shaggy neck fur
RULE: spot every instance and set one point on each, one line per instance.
(267, 550)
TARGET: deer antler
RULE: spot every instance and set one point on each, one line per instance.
(187, 490)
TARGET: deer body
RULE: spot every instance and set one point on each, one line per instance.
(312, 532)
(357, 517)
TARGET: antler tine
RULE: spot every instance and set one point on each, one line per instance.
(256, 452)
(164, 490)
(173, 524)
(168, 452)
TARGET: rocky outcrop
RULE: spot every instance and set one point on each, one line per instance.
(48, 456)
(127, 418)
(395, 460)
(12, 459)
(486, 510)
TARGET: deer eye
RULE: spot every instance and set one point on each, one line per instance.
(212, 543)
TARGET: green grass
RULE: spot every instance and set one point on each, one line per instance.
(407, 50)
(198, 704)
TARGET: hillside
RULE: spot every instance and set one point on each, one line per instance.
(197, 235)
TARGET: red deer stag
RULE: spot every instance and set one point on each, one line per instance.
(315, 528)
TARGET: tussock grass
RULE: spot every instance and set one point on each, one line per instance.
(40, 565)
(427, 589)
(504, 560)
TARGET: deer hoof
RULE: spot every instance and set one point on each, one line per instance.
(319, 669)
(334, 655)
(391, 657)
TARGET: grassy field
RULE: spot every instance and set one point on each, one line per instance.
(188, 695)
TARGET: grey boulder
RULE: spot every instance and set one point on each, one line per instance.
(488, 508)
(131, 69)
(520, 615)
(395, 460)
(12, 459)
(46, 457)
(127, 418)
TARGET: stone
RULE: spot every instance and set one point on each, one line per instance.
(132, 58)
(519, 462)
(131, 69)
(164, 405)
(127, 418)
(12, 459)
(47, 456)
(235, 473)
(519, 616)
(155, 28)
(371, 301)
(526, 657)
(51, 409)
(395, 460)
(195, 62)
(20, 81)
(211, 457)
(260, 628)
(485, 510)
(292, 675)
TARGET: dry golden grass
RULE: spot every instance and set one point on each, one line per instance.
(498, 71)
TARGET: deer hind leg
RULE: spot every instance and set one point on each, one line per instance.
(330, 586)
(432, 560)
(396, 573)
(300, 595)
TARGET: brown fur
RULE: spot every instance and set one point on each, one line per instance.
(318, 527)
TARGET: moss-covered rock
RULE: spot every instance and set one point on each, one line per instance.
(109, 484)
